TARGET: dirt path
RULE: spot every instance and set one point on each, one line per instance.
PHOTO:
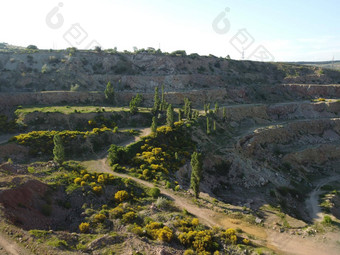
(11, 247)
(206, 215)
(143, 132)
(312, 203)
(282, 243)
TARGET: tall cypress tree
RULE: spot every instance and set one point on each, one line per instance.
(179, 115)
(187, 108)
(154, 124)
(216, 108)
(156, 104)
(109, 93)
(170, 116)
(224, 113)
(196, 173)
(205, 108)
(162, 99)
(208, 126)
(58, 150)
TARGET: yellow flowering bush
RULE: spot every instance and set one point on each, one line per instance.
(84, 227)
(100, 217)
(77, 180)
(121, 196)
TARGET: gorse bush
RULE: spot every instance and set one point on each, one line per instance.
(156, 230)
(129, 217)
(73, 141)
(100, 217)
(121, 196)
(163, 151)
(84, 227)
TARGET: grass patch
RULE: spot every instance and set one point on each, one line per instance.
(75, 109)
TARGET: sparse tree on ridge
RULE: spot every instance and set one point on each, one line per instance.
(135, 102)
(170, 116)
(154, 124)
(196, 173)
(224, 113)
(208, 126)
(156, 104)
(179, 115)
(187, 108)
(109, 93)
(58, 150)
(163, 103)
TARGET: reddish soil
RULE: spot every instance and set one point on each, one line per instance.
(23, 205)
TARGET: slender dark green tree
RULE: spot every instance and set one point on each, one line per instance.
(162, 99)
(154, 124)
(58, 150)
(187, 108)
(156, 104)
(179, 115)
(224, 113)
(170, 116)
(205, 108)
(208, 126)
(214, 126)
(135, 103)
(216, 108)
(196, 173)
(109, 93)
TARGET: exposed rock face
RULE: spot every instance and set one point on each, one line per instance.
(314, 155)
(293, 133)
(313, 90)
(239, 81)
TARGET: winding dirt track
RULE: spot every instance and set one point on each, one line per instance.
(312, 202)
(282, 243)
(11, 247)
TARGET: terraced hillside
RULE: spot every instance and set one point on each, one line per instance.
(269, 134)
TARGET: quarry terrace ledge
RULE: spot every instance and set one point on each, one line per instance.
(11, 99)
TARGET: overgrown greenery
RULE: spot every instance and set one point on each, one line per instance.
(154, 157)
(135, 103)
(109, 93)
(74, 142)
(58, 150)
(196, 172)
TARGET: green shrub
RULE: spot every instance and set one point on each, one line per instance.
(154, 192)
(31, 169)
(137, 230)
(327, 220)
(116, 212)
(162, 203)
(129, 217)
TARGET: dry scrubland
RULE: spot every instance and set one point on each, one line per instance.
(269, 135)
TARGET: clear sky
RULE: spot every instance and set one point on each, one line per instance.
(290, 30)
